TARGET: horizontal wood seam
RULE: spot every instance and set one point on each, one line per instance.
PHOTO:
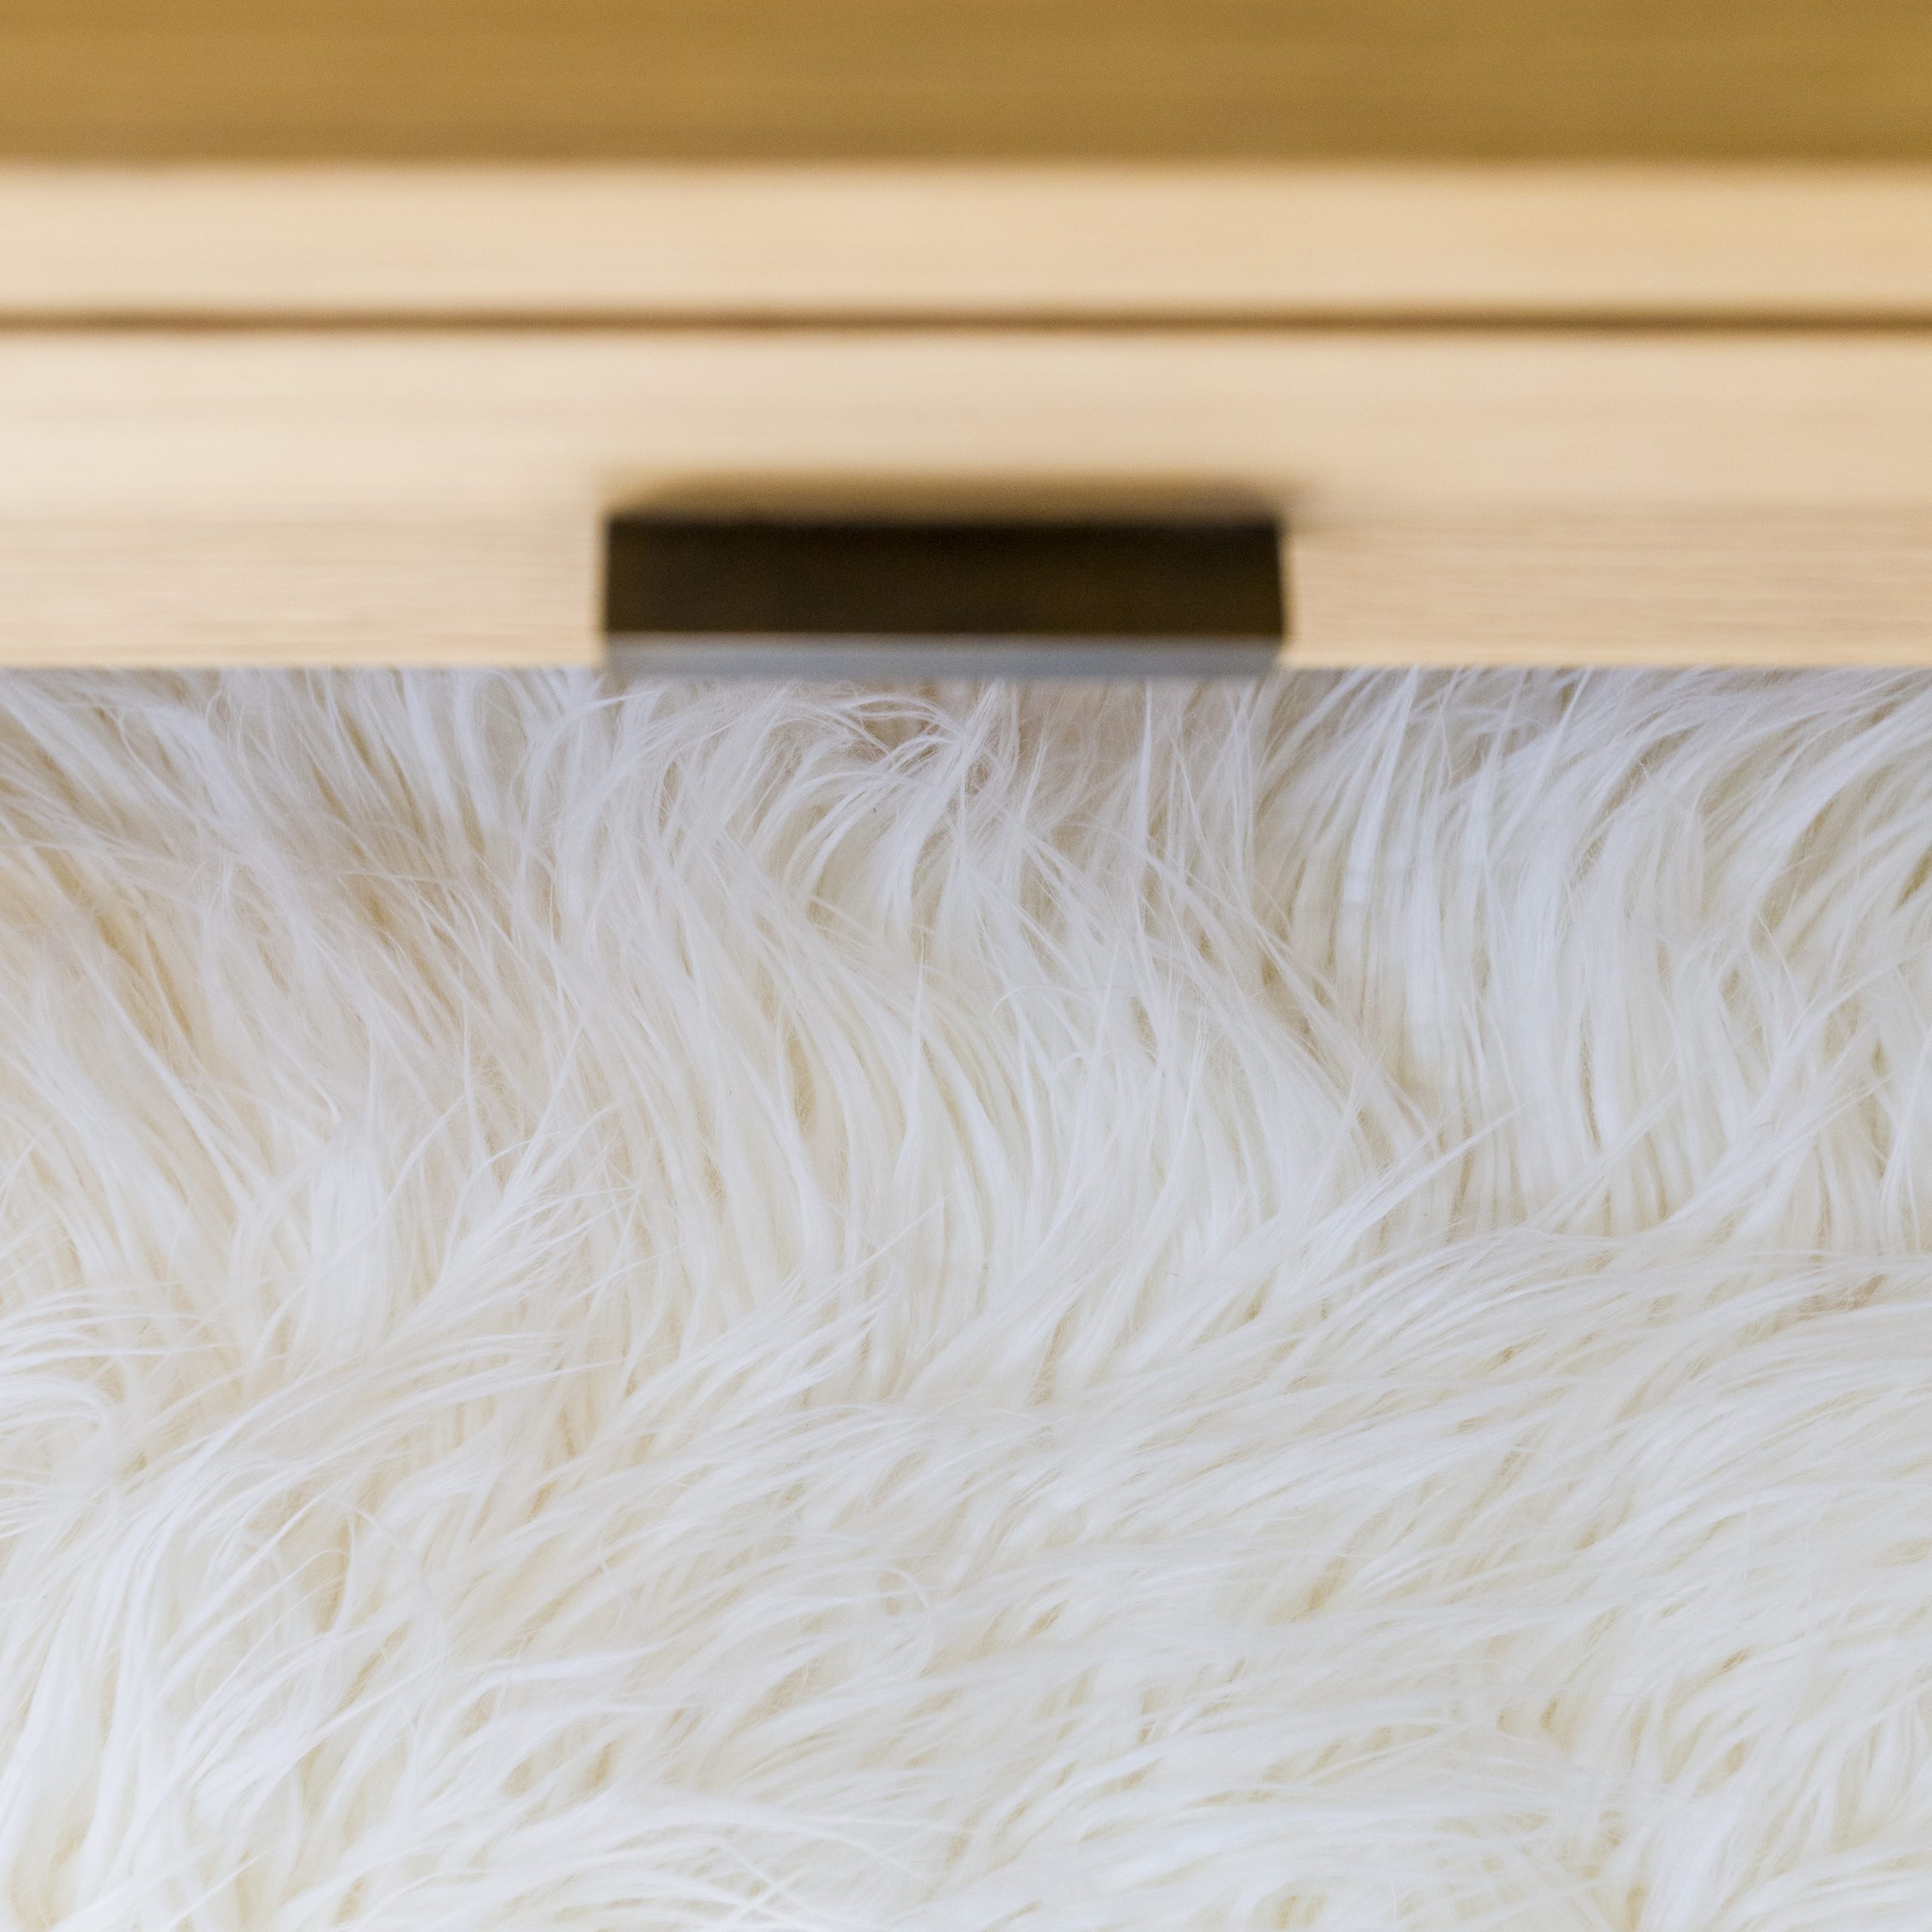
(644, 322)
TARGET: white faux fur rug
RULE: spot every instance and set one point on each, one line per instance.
(1046, 1311)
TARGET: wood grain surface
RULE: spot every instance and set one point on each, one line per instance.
(1174, 243)
(331, 330)
(1464, 497)
(523, 80)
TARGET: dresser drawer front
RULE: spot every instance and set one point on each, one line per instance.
(439, 496)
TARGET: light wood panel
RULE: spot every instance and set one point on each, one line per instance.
(149, 80)
(1172, 244)
(1463, 497)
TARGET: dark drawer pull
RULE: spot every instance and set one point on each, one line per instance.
(802, 597)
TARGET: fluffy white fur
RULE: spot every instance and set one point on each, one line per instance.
(1045, 1311)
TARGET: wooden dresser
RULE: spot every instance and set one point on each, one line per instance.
(335, 330)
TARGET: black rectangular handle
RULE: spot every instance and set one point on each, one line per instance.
(845, 597)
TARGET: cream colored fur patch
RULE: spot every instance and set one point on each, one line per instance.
(1037, 1310)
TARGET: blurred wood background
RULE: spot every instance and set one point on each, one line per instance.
(1022, 80)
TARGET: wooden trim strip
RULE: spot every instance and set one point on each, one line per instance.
(86, 247)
